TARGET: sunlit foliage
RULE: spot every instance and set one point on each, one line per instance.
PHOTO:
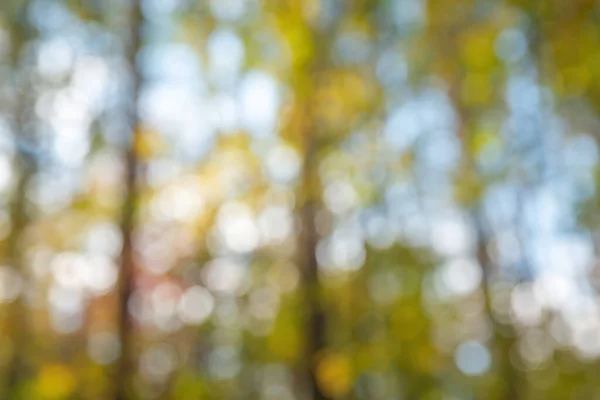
(299, 199)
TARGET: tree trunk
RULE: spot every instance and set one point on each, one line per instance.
(315, 316)
(25, 164)
(125, 364)
(503, 334)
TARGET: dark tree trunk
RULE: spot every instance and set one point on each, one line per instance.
(315, 317)
(125, 364)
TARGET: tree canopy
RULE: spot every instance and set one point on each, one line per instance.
(299, 199)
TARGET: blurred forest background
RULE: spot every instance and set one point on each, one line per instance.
(299, 199)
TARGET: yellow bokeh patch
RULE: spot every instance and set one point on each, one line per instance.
(55, 381)
(334, 374)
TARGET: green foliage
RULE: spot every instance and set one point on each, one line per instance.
(316, 199)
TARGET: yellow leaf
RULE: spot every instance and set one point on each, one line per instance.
(148, 143)
(334, 374)
(55, 381)
(478, 49)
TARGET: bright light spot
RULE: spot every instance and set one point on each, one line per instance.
(38, 260)
(162, 171)
(66, 308)
(536, 347)
(228, 10)
(104, 239)
(223, 275)
(227, 312)
(225, 113)
(526, 306)
(416, 229)
(507, 248)
(586, 338)
(523, 94)
(76, 271)
(379, 232)
(352, 47)
(55, 57)
(451, 237)
(196, 305)
(472, 358)
(237, 225)
(461, 276)
(283, 164)
(344, 250)
(224, 362)
(340, 196)
(176, 63)
(158, 362)
(103, 347)
(65, 267)
(553, 290)
(165, 299)
(259, 101)
(511, 45)
(180, 113)
(567, 255)
(49, 16)
(440, 150)
(158, 8)
(501, 204)
(70, 121)
(158, 246)
(183, 202)
(10, 284)
(226, 55)
(140, 306)
(99, 274)
(581, 152)
(275, 224)
(403, 127)
(391, 68)
(6, 172)
(91, 77)
(408, 12)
